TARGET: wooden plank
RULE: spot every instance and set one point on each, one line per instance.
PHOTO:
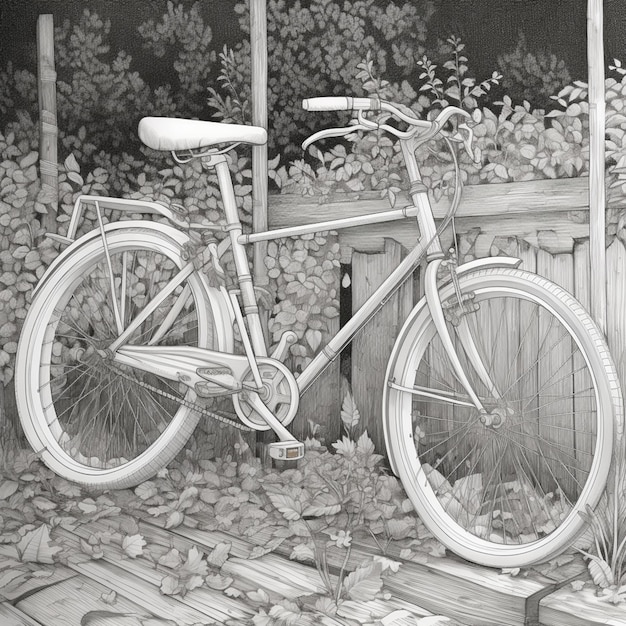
(567, 607)
(485, 592)
(139, 578)
(48, 131)
(18, 579)
(597, 180)
(12, 616)
(373, 344)
(555, 389)
(537, 197)
(558, 229)
(70, 603)
(584, 402)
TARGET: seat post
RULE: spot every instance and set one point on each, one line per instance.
(242, 267)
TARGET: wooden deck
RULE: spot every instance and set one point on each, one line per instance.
(117, 590)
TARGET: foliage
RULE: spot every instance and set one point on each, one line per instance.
(314, 514)
(320, 43)
(455, 87)
(304, 274)
(607, 554)
(186, 34)
(533, 76)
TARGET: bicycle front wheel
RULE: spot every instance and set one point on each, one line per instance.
(503, 487)
(95, 421)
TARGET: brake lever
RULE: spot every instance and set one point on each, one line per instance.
(467, 140)
(331, 132)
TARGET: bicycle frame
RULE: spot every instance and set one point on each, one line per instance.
(428, 243)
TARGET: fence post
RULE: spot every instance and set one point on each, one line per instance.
(597, 192)
(48, 131)
(372, 346)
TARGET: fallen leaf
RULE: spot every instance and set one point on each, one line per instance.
(133, 545)
(146, 490)
(174, 519)
(219, 555)
(218, 582)
(109, 598)
(8, 488)
(34, 547)
(259, 596)
(172, 559)
(170, 585)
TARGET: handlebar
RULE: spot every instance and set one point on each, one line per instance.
(341, 103)
(422, 130)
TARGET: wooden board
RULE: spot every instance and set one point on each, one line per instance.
(71, 601)
(550, 214)
(18, 579)
(141, 579)
(12, 616)
(567, 607)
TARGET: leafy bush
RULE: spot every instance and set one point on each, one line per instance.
(533, 76)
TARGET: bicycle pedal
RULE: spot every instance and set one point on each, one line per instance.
(286, 450)
(213, 390)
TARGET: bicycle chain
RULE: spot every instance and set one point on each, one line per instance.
(190, 405)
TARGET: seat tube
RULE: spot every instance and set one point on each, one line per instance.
(419, 197)
(242, 267)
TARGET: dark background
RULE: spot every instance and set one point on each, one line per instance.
(488, 27)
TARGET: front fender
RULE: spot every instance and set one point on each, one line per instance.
(492, 261)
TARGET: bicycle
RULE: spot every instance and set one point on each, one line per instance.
(498, 450)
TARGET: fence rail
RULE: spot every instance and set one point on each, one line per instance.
(546, 223)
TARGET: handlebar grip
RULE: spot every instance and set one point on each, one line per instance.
(340, 103)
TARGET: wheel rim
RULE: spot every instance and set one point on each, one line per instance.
(510, 482)
(99, 416)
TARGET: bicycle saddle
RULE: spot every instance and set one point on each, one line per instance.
(174, 134)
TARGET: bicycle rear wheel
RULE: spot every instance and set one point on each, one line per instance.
(95, 421)
(503, 488)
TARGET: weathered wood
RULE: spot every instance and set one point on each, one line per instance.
(139, 578)
(18, 579)
(48, 131)
(12, 616)
(584, 406)
(556, 208)
(67, 603)
(616, 305)
(372, 346)
(567, 607)
(258, 53)
(536, 197)
(597, 191)
(555, 390)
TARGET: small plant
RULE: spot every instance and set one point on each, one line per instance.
(607, 555)
(455, 86)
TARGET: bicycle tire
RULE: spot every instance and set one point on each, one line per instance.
(78, 409)
(507, 492)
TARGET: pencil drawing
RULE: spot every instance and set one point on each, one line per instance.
(316, 326)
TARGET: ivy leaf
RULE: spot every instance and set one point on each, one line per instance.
(174, 519)
(290, 508)
(71, 164)
(364, 582)
(34, 547)
(133, 545)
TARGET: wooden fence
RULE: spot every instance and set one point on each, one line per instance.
(546, 223)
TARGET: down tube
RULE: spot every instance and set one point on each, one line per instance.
(371, 306)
